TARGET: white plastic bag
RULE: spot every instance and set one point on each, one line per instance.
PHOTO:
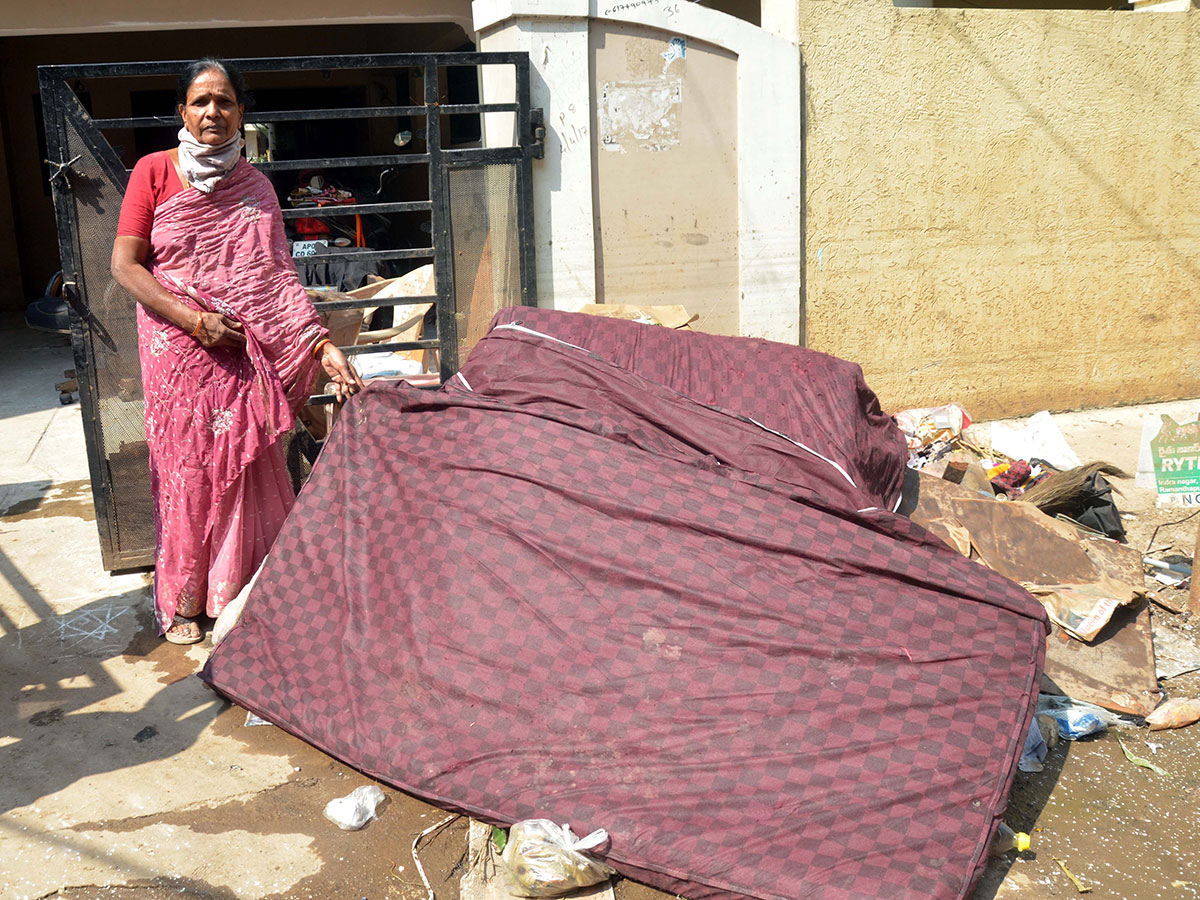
(356, 809)
(1038, 439)
(544, 859)
(926, 426)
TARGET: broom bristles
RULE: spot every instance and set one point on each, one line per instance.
(1062, 491)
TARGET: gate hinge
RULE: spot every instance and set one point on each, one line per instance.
(537, 133)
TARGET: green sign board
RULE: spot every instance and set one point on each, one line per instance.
(1175, 451)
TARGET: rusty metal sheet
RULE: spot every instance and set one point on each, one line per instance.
(1022, 543)
(1116, 670)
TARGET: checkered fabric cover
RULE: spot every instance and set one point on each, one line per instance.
(557, 595)
(817, 399)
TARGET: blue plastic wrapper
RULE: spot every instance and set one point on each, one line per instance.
(1075, 718)
(1077, 723)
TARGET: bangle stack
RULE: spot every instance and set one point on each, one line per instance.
(199, 324)
(316, 351)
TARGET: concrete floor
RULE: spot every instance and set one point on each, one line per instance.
(123, 776)
(119, 767)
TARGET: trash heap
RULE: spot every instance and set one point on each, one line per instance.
(1014, 464)
(1057, 531)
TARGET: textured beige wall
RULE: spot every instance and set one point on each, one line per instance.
(1003, 208)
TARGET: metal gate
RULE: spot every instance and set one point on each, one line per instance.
(478, 202)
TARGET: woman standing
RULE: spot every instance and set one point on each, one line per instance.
(229, 345)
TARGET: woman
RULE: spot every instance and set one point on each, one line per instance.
(229, 345)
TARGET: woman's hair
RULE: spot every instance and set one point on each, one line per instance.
(194, 70)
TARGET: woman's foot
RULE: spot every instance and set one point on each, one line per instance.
(184, 631)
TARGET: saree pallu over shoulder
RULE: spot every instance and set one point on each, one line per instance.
(210, 413)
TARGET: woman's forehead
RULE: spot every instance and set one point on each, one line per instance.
(211, 81)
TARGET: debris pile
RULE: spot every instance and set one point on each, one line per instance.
(1062, 537)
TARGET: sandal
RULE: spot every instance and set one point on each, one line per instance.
(184, 631)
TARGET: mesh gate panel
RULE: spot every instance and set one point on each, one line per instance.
(486, 246)
(117, 371)
(479, 198)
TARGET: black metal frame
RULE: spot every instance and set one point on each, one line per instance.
(62, 107)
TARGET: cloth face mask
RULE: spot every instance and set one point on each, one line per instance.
(204, 165)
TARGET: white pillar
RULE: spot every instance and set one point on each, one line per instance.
(781, 18)
(555, 35)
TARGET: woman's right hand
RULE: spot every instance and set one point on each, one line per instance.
(215, 330)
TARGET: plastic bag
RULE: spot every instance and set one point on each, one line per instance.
(544, 859)
(1174, 713)
(1039, 438)
(356, 809)
(1075, 718)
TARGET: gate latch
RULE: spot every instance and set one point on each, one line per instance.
(537, 133)
(61, 168)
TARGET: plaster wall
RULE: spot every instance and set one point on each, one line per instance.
(737, 183)
(564, 230)
(1002, 205)
(664, 141)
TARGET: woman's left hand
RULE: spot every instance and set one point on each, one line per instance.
(342, 377)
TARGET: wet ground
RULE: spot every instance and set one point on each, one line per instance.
(1123, 830)
(124, 777)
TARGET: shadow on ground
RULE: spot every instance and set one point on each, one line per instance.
(65, 717)
(1030, 794)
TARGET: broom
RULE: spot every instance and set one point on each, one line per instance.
(1062, 491)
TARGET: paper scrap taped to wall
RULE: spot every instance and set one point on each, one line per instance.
(640, 114)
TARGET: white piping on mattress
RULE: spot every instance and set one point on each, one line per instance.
(844, 473)
(521, 328)
(513, 326)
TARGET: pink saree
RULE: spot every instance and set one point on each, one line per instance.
(214, 417)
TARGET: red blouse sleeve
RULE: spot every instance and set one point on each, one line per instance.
(137, 209)
(152, 181)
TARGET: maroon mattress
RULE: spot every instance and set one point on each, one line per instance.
(624, 577)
